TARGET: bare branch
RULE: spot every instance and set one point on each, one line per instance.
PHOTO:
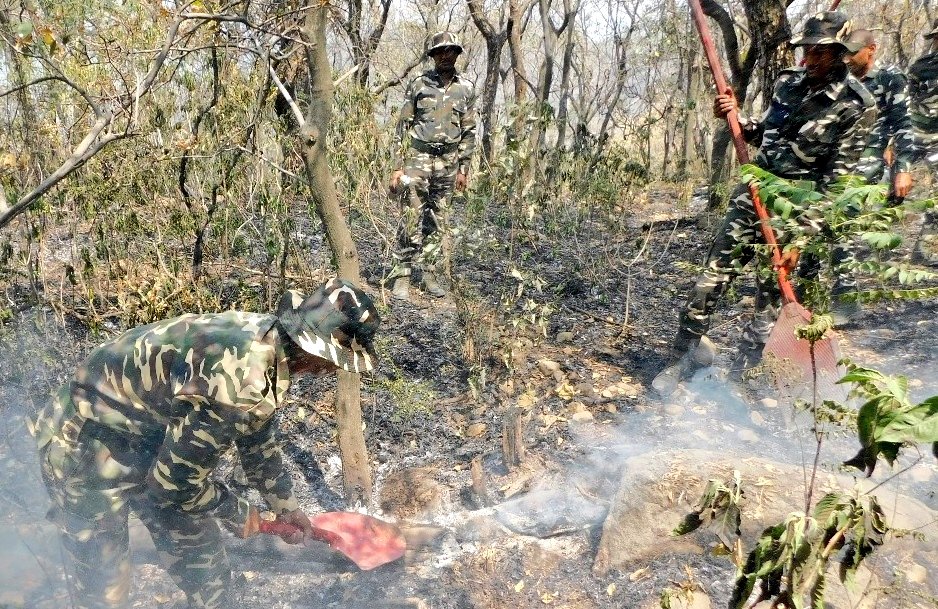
(86, 149)
(715, 11)
(300, 120)
(393, 82)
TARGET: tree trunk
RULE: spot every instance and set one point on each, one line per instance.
(493, 48)
(768, 25)
(565, 90)
(768, 51)
(517, 67)
(494, 43)
(356, 471)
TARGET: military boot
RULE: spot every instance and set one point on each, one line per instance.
(401, 288)
(747, 358)
(699, 353)
(844, 311)
(432, 286)
(926, 247)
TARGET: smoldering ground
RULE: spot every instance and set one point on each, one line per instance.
(537, 538)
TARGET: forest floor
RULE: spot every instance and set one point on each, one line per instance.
(562, 324)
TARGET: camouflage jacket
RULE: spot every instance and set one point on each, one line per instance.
(813, 136)
(183, 391)
(438, 114)
(893, 123)
(923, 90)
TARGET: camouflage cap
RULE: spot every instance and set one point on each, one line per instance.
(337, 322)
(933, 33)
(829, 27)
(443, 40)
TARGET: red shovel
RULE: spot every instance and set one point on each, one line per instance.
(818, 365)
(366, 541)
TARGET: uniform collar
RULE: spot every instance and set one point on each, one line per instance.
(433, 76)
(832, 89)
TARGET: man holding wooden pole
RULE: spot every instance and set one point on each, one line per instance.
(814, 130)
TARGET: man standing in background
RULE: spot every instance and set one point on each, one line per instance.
(923, 90)
(432, 150)
(893, 125)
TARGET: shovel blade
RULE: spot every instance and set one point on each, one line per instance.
(789, 359)
(366, 541)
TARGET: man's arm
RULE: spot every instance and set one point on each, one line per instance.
(262, 460)
(752, 128)
(467, 140)
(898, 124)
(180, 476)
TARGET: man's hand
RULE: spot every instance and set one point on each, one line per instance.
(298, 519)
(252, 525)
(395, 183)
(725, 103)
(462, 180)
(901, 184)
(789, 260)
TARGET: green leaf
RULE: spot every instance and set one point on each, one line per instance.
(825, 508)
(916, 426)
(882, 240)
(24, 29)
(690, 524)
(866, 423)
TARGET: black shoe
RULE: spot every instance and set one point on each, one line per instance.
(926, 249)
(844, 312)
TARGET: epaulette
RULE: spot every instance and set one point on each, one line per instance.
(865, 96)
(789, 73)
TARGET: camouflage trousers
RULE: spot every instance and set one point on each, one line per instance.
(843, 260)
(93, 485)
(732, 249)
(928, 239)
(426, 189)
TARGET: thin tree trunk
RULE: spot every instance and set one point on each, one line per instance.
(494, 43)
(565, 89)
(356, 471)
(517, 66)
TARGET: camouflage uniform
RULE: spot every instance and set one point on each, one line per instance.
(889, 87)
(435, 139)
(143, 422)
(893, 124)
(814, 136)
(923, 90)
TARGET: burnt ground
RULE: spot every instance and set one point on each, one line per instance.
(567, 320)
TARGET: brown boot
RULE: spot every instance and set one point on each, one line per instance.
(432, 286)
(401, 288)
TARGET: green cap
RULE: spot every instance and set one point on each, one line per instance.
(829, 27)
(337, 322)
(443, 40)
